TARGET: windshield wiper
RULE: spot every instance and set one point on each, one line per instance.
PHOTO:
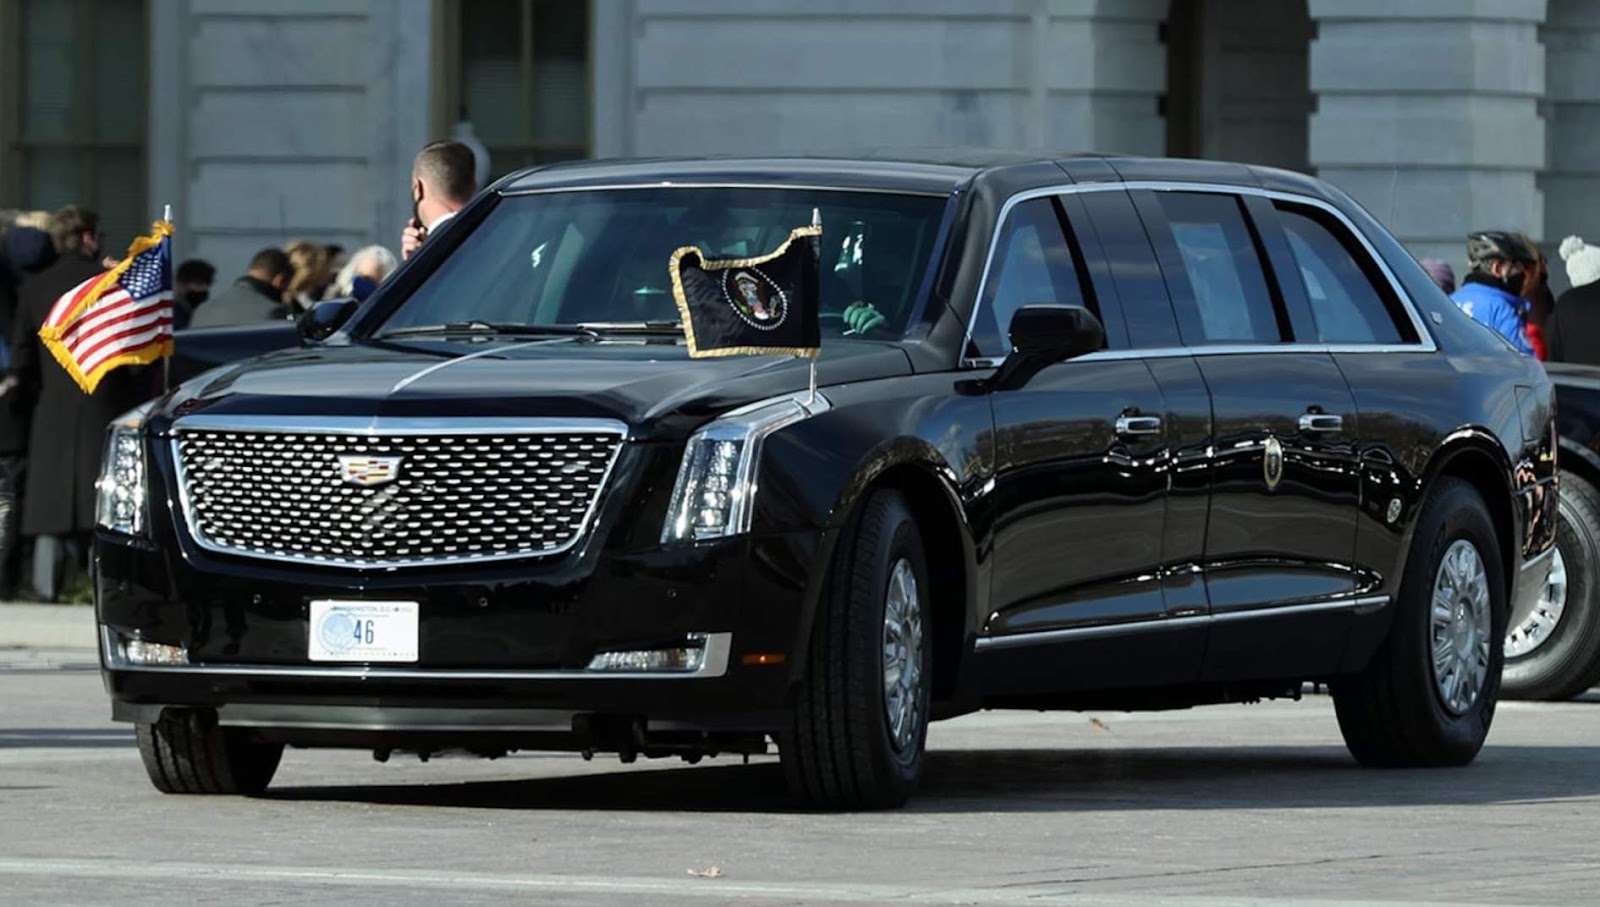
(674, 328)
(489, 329)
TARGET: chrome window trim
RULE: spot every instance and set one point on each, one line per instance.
(718, 648)
(724, 184)
(1425, 344)
(379, 426)
(1160, 624)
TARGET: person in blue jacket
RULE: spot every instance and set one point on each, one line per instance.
(1498, 262)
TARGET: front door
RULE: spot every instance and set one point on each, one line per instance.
(1280, 540)
(1080, 491)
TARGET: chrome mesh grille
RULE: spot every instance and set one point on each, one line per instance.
(451, 497)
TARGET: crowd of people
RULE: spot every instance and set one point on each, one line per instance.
(52, 434)
(1507, 289)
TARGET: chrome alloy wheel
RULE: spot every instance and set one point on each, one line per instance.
(1460, 627)
(1535, 631)
(902, 656)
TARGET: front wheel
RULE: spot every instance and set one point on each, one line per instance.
(187, 752)
(1428, 696)
(861, 719)
(1554, 653)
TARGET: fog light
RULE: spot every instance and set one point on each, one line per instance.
(686, 658)
(140, 652)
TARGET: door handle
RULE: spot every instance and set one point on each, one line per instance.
(1138, 425)
(1321, 422)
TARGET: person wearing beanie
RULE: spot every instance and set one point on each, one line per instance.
(1442, 274)
(1573, 331)
(1583, 260)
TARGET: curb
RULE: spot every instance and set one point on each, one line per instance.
(33, 626)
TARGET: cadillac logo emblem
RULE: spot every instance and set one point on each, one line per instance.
(1272, 463)
(369, 470)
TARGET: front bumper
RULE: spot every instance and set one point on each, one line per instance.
(502, 650)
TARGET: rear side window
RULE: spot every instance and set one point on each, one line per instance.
(1349, 299)
(1228, 299)
(1032, 264)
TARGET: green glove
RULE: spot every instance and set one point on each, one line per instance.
(861, 317)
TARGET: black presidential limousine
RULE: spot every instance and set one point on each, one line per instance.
(1091, 433)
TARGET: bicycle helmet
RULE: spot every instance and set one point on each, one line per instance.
(1485, 246)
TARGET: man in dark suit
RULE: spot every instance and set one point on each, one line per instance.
(255, 297)
(68, 427)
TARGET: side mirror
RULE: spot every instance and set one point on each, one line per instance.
(1055, 332)
(1043, 335)
(319, 322)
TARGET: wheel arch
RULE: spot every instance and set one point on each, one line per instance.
(1476, 457)
(929, 487)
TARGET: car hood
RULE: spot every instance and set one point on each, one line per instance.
(652, 386)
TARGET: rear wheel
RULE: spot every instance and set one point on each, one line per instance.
(861, 718)
(1555, 652)
(186, 752)
(1428, 696)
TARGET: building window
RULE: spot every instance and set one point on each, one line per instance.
(73, 90)
(518, 71)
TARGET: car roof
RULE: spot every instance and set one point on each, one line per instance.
(939, 171)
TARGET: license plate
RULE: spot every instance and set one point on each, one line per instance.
(363, 631)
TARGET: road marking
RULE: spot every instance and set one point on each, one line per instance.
(699, 889)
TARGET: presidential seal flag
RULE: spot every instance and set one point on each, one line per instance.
(120, 317)
(762, 305)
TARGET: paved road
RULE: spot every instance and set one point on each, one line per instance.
(1228, 805)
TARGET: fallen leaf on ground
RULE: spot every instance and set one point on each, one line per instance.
(708, 873)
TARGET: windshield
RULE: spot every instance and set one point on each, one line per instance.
(592, 256)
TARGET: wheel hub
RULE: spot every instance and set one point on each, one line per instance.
(1536, 630)
(1460, 627)
(902, 656)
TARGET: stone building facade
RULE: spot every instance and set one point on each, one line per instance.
(263, 120)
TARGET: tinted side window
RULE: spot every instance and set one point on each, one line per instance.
(1032, 264)
(1342, 286)
(1228, 299)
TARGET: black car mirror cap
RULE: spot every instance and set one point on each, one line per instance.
(325, 318)
(1055, 332)
(1043, 335)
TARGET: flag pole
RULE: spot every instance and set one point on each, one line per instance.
(811, 393)
(166, 361)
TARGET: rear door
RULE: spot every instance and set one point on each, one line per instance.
(1281, 536)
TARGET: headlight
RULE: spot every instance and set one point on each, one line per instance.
(717, 482)
(121, 503)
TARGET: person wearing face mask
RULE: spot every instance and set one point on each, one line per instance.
(191, 285)
(367, 268)
(1498, 263)
(443, 179)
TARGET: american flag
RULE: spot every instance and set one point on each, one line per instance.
(121, 317)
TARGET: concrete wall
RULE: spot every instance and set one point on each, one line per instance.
(1571, 180)
(1428, 114)
(290, 120)
(773, 76)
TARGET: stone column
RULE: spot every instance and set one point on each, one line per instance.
(1571, 182)
(1427, 113)
(1099, 72)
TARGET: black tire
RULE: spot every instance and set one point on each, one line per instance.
(187, 753)
(1391, 713)
(1567, 662)
(839, 753)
